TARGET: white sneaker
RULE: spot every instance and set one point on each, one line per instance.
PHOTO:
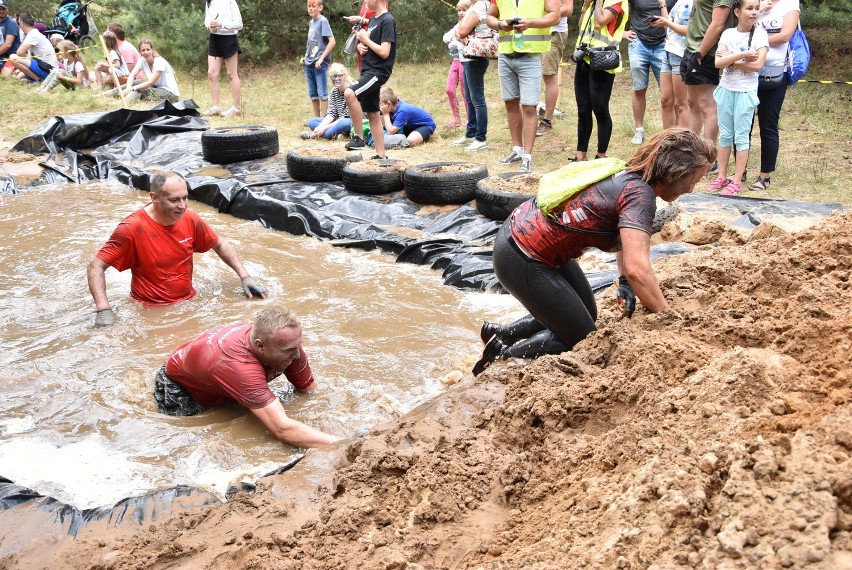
(462, 141)
(214, 110)
(233, 111)
(477, 146)
(526, 163)
(638, 136)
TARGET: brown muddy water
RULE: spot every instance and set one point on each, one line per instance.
(77, 416)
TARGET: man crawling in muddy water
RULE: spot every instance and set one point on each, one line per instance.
(156, 243)
(236, 363)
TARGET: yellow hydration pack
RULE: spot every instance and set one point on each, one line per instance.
(556, 187)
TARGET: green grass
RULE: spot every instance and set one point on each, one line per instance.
(814, 162)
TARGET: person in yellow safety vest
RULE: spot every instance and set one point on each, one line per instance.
(592, 89)
(524, 34)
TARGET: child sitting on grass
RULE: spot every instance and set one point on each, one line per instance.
(415, 123)
(103, 73)
(336, 122)
(74, 72)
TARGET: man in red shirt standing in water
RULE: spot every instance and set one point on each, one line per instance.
(156, 243)
(236, 363)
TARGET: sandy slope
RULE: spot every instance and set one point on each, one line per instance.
(718, 441)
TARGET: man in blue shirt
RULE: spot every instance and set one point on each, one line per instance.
(10, 38)
(415, 123)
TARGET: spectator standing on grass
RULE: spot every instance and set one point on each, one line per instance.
(550, 62)
(741, 53)
(779, 18)
(455, 77)
(10, 39)
(415, 123)
(128, 51)
(378, 46)
(156, 243)
(593, 88)
(35, 58)
(318, 57)
(698, 67)
(645, 52)
(223, 19)
(524, 27)
(474, 23)
(336, 122)
(673, 99)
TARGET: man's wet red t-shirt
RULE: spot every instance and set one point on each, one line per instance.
(159, 257)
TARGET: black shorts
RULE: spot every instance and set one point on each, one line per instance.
(223, 46)
(367, 89)
(693, 73)
(172, 398)
(425, 132)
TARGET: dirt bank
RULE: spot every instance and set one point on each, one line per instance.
(722, 440)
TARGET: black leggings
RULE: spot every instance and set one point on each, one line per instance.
(592, 91)
(768, 113)
(560, 301)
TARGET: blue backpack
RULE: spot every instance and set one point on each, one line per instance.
(799, 56)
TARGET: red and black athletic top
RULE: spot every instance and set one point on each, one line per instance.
(590, 219)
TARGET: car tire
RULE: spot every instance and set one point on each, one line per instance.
(321, 168)
(374, 182)
(495, 204)
(429, 184)
(224, 145)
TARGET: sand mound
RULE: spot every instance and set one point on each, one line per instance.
(721, 440)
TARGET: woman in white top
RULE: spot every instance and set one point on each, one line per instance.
(673, 99)
(779, 18)
(222, 18)
(160, 82)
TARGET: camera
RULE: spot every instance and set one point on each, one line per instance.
(581, 52)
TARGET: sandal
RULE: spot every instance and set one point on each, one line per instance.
(760, 184)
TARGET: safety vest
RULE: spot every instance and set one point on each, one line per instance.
(600, 37)
(535, 40)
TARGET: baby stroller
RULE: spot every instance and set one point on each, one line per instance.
(72, 23)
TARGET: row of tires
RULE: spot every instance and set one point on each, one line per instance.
(431, 183)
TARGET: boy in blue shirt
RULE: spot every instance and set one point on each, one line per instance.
(415, 123)
(317, 57)
(377, 46)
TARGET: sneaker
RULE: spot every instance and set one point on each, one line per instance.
(477, 146)
(342, 137)
(492, 351)
(638, 136)
(526, 163)
(714, 168)
(488, 331)
(212, 111)
(377, 157)
(306, 135)
(232, 112)
(541, 108)
(461, 141)
(719, 184)
(544, 127)
(355, 142)
(732, 189)
(514, 157)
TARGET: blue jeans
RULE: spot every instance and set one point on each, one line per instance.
(643, 60)
(474, 98)
(317, 80)
(338, 127)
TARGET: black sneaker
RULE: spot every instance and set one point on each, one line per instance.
(488, 330)
(714, 168)
(355, 142)
(492, 352)
(377, 157)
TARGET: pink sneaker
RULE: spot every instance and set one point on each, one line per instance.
(732, 189)
(719, 183)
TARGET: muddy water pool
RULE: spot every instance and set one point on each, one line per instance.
(77, 419)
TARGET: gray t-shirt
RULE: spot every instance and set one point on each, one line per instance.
(640, 10)
(318, 31)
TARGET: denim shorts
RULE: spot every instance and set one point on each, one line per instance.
(317, 80)
(643, 60)
(520, 78)
(671, 63)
